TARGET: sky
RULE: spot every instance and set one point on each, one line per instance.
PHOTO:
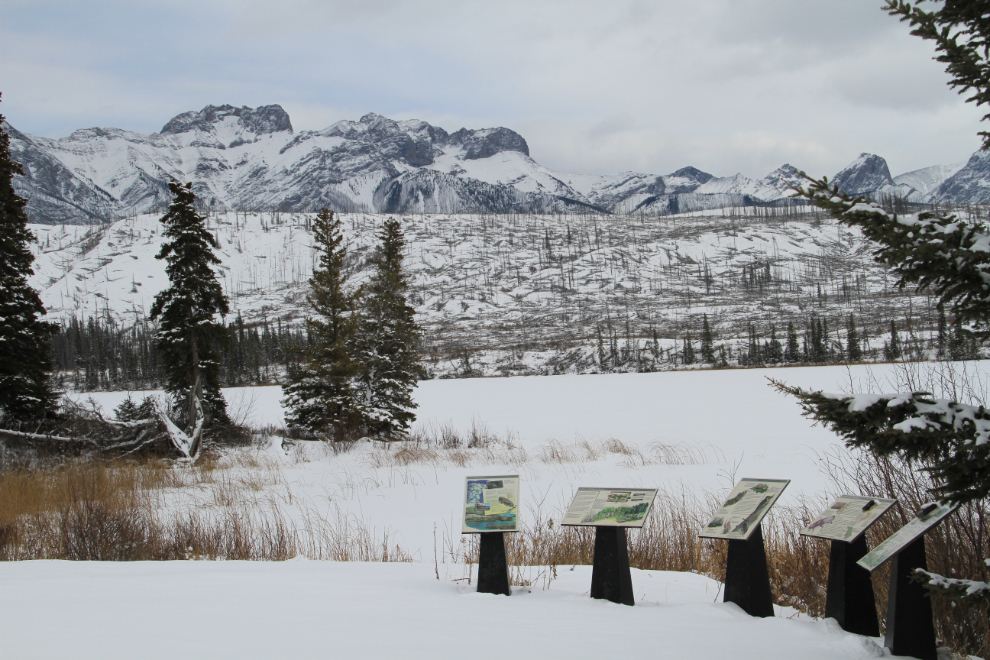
(594, 87)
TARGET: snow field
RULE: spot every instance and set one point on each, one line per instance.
(307, 609)
(697, 431)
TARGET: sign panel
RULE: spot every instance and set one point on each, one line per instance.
(491, 504)
(927, 517)
(745, 508)
(610, 507)
(848, 518)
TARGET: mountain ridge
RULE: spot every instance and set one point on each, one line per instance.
(253, 159)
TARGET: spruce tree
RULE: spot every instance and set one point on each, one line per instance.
(792, 353)
(388, 343)
(189, 334)
(687, 355)
(774, 350)
(707, 342)
(320, 394)
(25, 348)
(936, 251)
(942, 343)
(854, 352)
(892, 349)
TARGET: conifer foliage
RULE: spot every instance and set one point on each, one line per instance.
(189, 332)
(320, 396)
(939, 252)
(389, 341)
(25, 350)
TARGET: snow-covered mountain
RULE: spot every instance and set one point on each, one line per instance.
(251, 159)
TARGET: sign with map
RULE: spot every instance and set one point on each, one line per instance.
(610, 507)
(743, 512)
(848, 518)
(927, 517)
(491, 504)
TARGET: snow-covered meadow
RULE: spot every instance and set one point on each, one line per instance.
(692, 432)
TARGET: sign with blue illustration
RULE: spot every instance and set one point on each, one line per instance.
(491, 504)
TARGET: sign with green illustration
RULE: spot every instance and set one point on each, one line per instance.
(610, 507)
(491, 504)
(927, 517)
(848, 518)
(744, 509)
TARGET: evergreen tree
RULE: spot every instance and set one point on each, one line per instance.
(25, 349)
(892, 349)
(707, 342)
(188, 333)
(687, 355)
(942, 343)
(933, 250)
(320, 393)
(774, 351)
(854, 352)
(792, 353)
(389, 341)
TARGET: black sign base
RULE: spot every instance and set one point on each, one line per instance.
(610, 576)
(910, 630)
(493, 569)
(747, 581)
(849, 599)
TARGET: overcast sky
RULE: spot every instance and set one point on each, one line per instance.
(595, 87)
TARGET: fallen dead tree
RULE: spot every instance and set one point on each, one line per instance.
(84, 429)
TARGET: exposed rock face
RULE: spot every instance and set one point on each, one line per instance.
(970, 185)
(252, 159)
(863, 176)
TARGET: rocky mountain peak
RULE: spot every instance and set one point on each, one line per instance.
(260, 121)
(488, 142)
(864, 175)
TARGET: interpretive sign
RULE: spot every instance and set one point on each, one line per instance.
(927, 517)
(745, 508)
(848, 518)
(610, 507)
(491, 504)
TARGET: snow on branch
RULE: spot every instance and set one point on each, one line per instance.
(187, 444)
(951, 439)
(970, 592)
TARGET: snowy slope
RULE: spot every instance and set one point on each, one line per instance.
(516, 294)
(252, 159)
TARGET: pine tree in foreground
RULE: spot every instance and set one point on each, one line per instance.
(320, 393)
(938, 252)
(188, 331)
(389, 340)
(25, 349)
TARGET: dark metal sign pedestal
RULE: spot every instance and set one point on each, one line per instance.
(849, 599)
(910, 630)
(747, 581)
(610, 576)
(493, 568)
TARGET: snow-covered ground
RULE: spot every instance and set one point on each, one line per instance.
(693, 432)
(305, 609)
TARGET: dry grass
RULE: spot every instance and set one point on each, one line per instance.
(114, 511)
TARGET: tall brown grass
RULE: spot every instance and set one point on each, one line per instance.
(96, 510)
